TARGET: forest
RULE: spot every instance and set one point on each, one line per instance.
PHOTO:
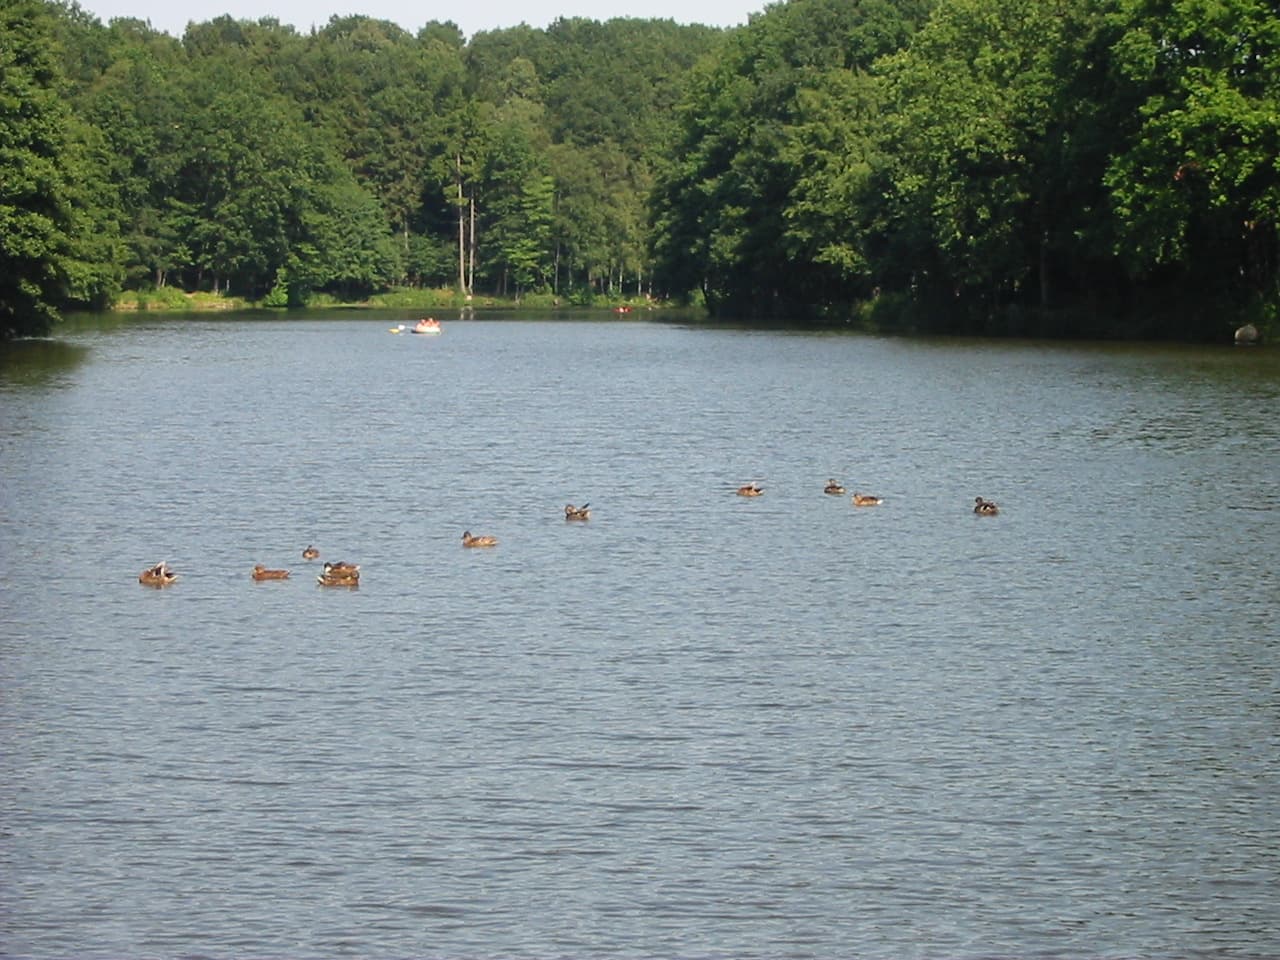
(1102, 168)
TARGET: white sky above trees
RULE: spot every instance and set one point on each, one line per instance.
(471, 16)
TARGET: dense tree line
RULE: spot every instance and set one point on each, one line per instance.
(1095, 167)
(252, 159)
(1079, 166)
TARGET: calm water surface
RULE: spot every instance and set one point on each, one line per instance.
(696, 726)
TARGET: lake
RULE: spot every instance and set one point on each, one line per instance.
(697, 725)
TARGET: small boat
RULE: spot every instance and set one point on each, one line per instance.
(398, 328)
(427, 325)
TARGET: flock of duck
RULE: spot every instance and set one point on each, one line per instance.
(342, 574)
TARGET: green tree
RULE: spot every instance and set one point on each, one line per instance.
(249, 158)
(397, 94)
(974, 125)
(1197, 188)
(608, 91)
(96, 264)
(517, 192)
(732, 202)
(35, 210)
(133, 102)
(833, 156)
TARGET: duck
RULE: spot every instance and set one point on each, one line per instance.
(469, 541)
(326, 581)
(866, 500)
(340, 575)
(577, 513)
(158, 576)
(311, 553)
(833, 488)
(341, 569)
(750, 490)
(262, 573)
(984, 508)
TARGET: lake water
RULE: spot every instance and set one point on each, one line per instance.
(698, 725)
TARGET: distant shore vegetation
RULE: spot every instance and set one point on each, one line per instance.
(175, 300)
(1107, 168)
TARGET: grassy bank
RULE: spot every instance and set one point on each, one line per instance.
(168, 299)
(171, 300)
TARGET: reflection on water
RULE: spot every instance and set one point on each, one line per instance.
(697, 724)
(27, 363)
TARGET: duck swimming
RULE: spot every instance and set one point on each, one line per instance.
(311, 553)
(866, 500)
(262, 573)
(750, 490)
(340, 575)
(469, 541)
(341, 569)
(577, 513)
(833, 488)
(984, 508)
(158, 576)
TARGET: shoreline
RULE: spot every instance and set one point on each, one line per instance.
(174, 301)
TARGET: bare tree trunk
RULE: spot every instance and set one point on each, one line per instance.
(471, 278)
(1044, 271)
(462, 238)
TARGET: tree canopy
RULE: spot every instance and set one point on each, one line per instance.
(37, 157)
(1086, 167)
(1079, 167)
(251, 159)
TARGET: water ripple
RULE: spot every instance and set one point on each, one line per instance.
(696, 726)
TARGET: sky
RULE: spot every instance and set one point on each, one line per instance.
(471, 16)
